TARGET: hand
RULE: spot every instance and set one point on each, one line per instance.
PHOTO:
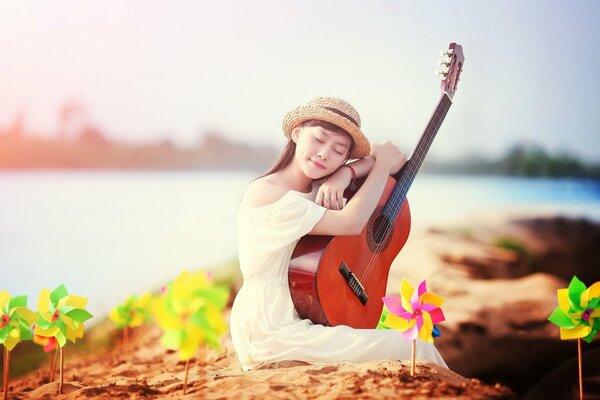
(387, 153)
(331, 192)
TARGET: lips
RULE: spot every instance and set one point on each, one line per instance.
(318, 164)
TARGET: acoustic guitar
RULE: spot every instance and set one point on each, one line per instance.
(340, 280)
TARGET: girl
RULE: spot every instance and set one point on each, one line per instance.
(292, 200)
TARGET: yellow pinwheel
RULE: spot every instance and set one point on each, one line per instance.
(16, 320)
(15, 326)
(578, 311)
(190, 313)
(578, 316)
(133, 312)
(61, 315)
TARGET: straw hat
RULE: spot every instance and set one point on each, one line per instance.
(335, 111)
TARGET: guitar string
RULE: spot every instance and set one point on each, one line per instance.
(396, 198)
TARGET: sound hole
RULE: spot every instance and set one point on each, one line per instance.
(381, 227)
(379, 232)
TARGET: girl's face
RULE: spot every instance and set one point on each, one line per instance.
(319, 152)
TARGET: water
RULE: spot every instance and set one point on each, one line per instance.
(106, 235)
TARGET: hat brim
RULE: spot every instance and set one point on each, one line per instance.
(298, 115)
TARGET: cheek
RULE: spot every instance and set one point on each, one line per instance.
(305, 146)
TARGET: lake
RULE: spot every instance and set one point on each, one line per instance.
(106, 235)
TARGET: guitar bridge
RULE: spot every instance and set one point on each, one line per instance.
(354, 283)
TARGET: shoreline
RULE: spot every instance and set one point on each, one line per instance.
(486, 287)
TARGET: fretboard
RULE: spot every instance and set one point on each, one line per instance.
(407, 174)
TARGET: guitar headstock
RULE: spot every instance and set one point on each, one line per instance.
(451, 66)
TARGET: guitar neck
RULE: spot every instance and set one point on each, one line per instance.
(407, 174)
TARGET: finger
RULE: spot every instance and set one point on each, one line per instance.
(319, 198)
(326, 201)
(331, 202)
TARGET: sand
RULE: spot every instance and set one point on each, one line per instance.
(145, 370)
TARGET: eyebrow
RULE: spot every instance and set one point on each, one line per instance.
(327, 134)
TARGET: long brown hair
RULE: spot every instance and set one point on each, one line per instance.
(289, 150)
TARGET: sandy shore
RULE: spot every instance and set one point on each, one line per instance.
(146, 370)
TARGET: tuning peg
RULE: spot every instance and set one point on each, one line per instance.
(443, 71)
(447, 52)
(441, 74)
(445, 62)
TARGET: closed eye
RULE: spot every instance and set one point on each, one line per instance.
(323, 141)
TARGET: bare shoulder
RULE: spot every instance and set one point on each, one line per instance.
(262, 192)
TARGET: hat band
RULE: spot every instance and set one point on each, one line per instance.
(341, 114)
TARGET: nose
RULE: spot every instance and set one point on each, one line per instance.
(323, 152)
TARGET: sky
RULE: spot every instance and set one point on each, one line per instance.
(149, 70)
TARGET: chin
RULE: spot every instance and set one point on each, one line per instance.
(313, 173)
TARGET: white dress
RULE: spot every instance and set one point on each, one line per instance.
(264, 324)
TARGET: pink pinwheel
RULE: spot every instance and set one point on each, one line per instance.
(413, 313)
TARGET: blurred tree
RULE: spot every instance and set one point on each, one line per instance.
(72, 116)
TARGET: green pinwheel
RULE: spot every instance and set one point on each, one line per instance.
(578, 311)
(61, 315)
(16, 320)
(578, 316)
(190, 314)
(15, 326)
(131, 314)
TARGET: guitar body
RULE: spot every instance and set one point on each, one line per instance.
(341, 280)
(319, 290)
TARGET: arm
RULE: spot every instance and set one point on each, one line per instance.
(351, 219)
(334, 187)
(362, 167)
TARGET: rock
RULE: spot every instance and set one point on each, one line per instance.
(499, 277)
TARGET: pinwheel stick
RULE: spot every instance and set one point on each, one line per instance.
(412, 357)
(60, 369)
(579, 359)
(6, 369)
(53, 359)
(185, 382)
(126, 336)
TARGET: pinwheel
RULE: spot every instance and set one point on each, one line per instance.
(50, 346)
(15, 326)
(131, 314)
(414, 313)
(61, 315)
(384, 313)
(190, 314)
(578, 315)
